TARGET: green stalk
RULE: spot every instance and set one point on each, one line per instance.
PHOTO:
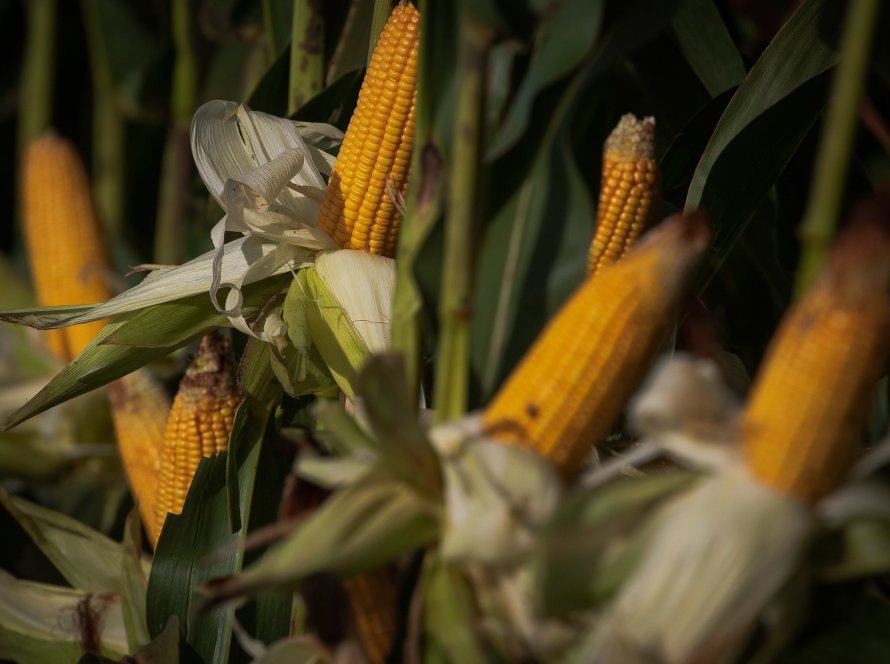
(269, 33)
(421, 211)
(306, 54)
(177, 167)
(826, 191)
(453, 361)
(37, 71)
(108, 125)
(382, 10)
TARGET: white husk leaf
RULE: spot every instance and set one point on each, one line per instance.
(260, 170)
(718, 555)
(496, 496)
(363, 285)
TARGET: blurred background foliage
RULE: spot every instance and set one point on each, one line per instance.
(737, 87)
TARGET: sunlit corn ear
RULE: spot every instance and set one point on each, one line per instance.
(717, 555)
(348, 296)
(198, 425)
(373, 598)
(139, 408)
(67, 252)
(573, 382)
(811, 397)
(630, 191)
(358, 209)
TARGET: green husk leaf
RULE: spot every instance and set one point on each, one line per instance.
(402, 443)
(87, 559)
(448, 616)
(356, 529)
(590, 546)
(38, 622)
(332, 472)
(340, 432)
(337, 340)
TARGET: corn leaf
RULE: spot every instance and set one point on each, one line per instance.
(776, 105)
(561, 43)
(708, 46)
(449, 624)
(199, 544)
(87, 559)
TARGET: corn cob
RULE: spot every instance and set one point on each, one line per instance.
(571, 385)
(630, 191)
(372, 596)
(810, 400)
(358, 210)
(139, 407)
(199, 423)
(66, 248)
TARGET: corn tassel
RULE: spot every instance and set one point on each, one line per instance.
(358, 209)
(571, 385)
(139, 407)
(199, 423)
(372, 596)
(66, 248)
(630, 191)
(809, 403)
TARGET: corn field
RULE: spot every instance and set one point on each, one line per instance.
(472, 331)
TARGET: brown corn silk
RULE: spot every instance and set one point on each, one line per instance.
(630, 191)
(358, 210)
(67, 252)
(198, 425)
(809, 402)
(566, 393)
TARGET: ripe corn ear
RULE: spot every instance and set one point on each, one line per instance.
(372, 596)
(199, 423)
(630, 191)
(810, 400)
(139, 407)
(66, 249)
(373, 164)
(572, 384)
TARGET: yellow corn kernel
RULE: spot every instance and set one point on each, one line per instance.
(373, 598)
(199, 423)
(139, 407)
(630, 191)
(358, 209)
(810, 400)
(66, 249)
(572, 384)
